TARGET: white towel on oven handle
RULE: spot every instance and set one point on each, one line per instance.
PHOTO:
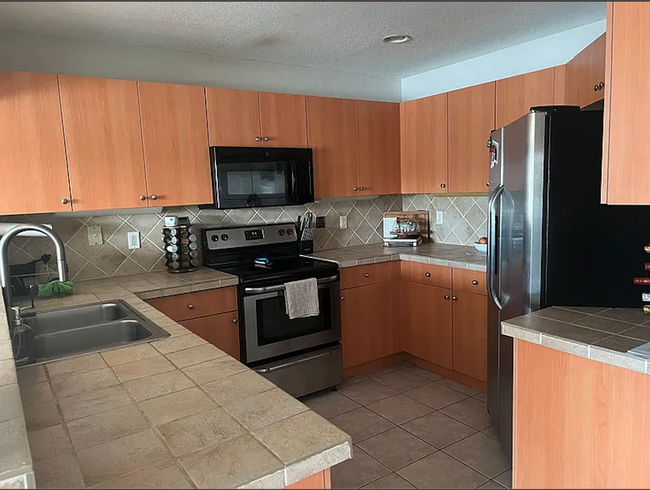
(301, 298)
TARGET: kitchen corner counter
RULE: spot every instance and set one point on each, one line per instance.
(600, 334)
(458, 256)
(172, 413)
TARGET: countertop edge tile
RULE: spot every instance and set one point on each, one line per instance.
(317, 462)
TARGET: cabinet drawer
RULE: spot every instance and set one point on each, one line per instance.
(433, 275)
(470, 281)
(221, 331)
(195, 305)
(362, 275)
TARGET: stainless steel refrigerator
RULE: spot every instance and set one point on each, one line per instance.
(550, 241)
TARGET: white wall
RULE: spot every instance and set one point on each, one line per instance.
(531, 56)
(38, 53)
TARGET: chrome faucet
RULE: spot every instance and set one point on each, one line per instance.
(16, 314)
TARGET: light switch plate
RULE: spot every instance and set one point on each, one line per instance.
(95, 235)
(439, 217)
(133, 238)
(343, 222)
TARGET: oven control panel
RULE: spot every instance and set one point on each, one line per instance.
(226, 238)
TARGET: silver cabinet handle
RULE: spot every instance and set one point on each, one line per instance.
(355, 189)
(427, 274)
(487, 184)
(154, 197)
(475, 282)
(258, 138)
(234, 320)
(190, 306)
(342, 298)
(143, 198)
(367, 275)
(64, 201)
(454, 298)
(443, 185)
(446, 296)
(266, 138)
(362, 188)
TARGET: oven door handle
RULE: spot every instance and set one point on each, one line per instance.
(298, 361)
(280, 287)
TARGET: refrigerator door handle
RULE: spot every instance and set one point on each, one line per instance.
(492, 245)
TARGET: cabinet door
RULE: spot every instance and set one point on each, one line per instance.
(233, 117)
(516, 95)
(101, 119)
(626, 149)
(378, 144)
(366, 323)
(35, 176)
(333, 137)
(430, 333)
(283, 120)
(585, 75)
(470, 334)
(175, 139)
(423, 145)
(471, 118)
(221, 331)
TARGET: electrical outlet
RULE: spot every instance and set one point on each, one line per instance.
(95, 235)
(343, 222)
(320, 221)
(133, 238)
(439, 217)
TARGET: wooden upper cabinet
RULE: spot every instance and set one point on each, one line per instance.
(233, 117)
(471, 118)
(283, 120)
(470, 334)
(332, 136)
(423, 145)
(516, 95)
(175, 139)
(378, 147)
(35, 176)
(101, 120)
(585, 75)
(626, 146)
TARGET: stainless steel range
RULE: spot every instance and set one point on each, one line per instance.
(302, 355)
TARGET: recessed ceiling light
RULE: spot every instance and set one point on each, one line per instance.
(397, 39)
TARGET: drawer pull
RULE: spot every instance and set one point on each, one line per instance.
(427, 274)
(475, 282)
(234, 320)
(190, 306)
(342, 298)
(446, 296)
(367, 275)
(454, 298)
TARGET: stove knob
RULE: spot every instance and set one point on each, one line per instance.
(281, 232)
(224, 237)
(214, 238)
(289, 231)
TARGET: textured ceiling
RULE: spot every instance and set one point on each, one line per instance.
(336, 36)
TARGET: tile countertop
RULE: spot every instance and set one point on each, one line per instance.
(173, 413)
(601, 334)
(458, 256)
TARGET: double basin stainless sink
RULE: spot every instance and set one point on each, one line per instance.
(90, 328)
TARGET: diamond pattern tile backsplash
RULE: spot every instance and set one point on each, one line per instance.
(464, 221)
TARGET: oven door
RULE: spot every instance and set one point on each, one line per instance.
(268, 331)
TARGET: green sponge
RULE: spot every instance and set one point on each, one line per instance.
(54, 288)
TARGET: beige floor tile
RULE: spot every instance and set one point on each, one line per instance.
(106, 426)
(160, 475)
(41, 416)
(361, 424)
(329, 404)
(358, 471)
(209, 371)
(49, 443)
(424, 373)
(80, 383)
(11, 406)
(390, 481)
(481, 397)
(471, 412)
(179, 343)
(396, 448)
(245, 458)
(505, 479)
(158, 385)
(60, 472)
(402, 380)
(143, 368)
(164, 409)
(265, 408)
(35, 394)
(129, 354)
(441, 471)
(491, 431)
(77, 365)
(31, 375)
(435, 395)
(237, 387)
(195, 355)
(389, 369)
(481, 453)
(120, 456)
(353, 380)
(367, 392)
(93, 402)
(438, 430)
(198, 431)
(399, 409)
(465, 390)
(491, 485)
(14, 445)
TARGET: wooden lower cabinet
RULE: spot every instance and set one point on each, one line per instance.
(470, 334)
(322, 479)
(221, 331)
(429, 336)
(366, 323)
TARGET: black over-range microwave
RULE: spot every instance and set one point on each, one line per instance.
(259, 177)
